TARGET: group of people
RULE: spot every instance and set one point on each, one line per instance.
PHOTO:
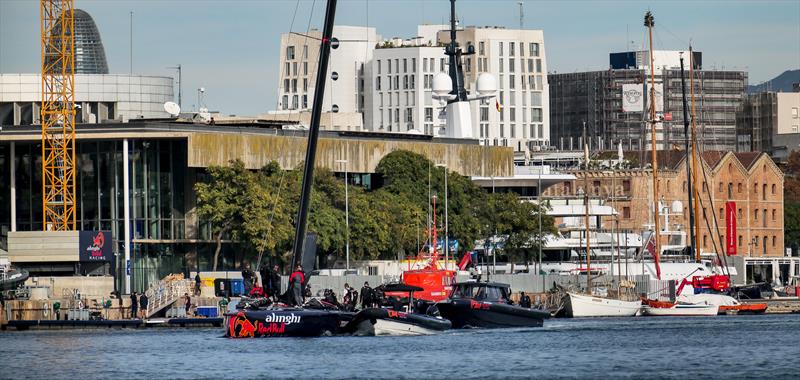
(139, 304)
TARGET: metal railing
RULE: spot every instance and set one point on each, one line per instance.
(165, 293)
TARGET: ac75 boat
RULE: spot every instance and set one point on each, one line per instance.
(486, 304)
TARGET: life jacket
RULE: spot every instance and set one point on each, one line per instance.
(297, 274)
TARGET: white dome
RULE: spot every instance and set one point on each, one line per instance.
(487, 85)
(442, 84)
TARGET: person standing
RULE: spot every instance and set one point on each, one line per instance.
(187, 303)
(247, 276)
(57, 310)
(366, 295)
(274, 287)
(524, 300)
(143, 303)
(197, 284)
(134, 305)
(296, 281)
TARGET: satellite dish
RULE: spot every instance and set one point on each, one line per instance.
(172, 108)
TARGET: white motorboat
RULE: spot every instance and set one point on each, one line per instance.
(395, 328)
(583, 305)
(682, 310)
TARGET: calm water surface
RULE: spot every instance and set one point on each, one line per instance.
(680, 348)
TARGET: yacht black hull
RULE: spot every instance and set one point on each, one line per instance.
(469, 313)
(375, 321)
(285, 323)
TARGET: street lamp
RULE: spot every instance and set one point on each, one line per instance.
(346, 217)
(446, 234)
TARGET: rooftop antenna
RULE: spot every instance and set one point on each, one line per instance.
(521, 15)
(131, 43)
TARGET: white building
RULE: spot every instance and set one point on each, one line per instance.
(101, 97)
(400, 88)
(344, 87)
(517, 60)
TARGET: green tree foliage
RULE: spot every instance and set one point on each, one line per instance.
(258, 210)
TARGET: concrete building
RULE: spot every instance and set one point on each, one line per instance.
(517, 59)
(769, 122)
(751, 180)
(100, 97)
(611, 103)
(344, 86)
(400, 89)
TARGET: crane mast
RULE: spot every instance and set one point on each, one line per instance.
(58, 115)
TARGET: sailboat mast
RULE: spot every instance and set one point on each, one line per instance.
(313, 135)
(649, 22)
(690, 192)
(696, 192)
(586, 211)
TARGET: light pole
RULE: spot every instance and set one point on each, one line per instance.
(346, 217)
(446, 234)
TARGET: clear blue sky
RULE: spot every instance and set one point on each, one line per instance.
(231, 47)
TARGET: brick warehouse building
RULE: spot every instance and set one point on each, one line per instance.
(751, 180)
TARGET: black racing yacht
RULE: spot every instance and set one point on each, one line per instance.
(487, 304)
(262, 317)
(400, 318)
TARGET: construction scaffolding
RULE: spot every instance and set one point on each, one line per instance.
(58, 115)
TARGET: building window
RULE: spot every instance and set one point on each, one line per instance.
(534, 49)
(305, 101)
(481, 48)
(730, 190)
(511, 81)
(511, 49)
(740, 240)
(739, 187)
(774, 241)
(285, 102)
(755, 213)
(774, 214)
(512, 115)
(501, 68)
(287, 68)
(502, 130)
(764, 192)
(795, 113)
(305, 84)
(739, 213)
(409, 115)
(773, 189)
(720, 187)
(294, 85)
(538, 65)
(484, 113)
(501, 49)
(626, 186)
(290, 52)
(626, 212)
(428, 114)
(405, 65)
(536, 115)
(378, 83)
(305, 68)
(413, 65)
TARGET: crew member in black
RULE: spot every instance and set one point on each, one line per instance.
(143, 302)
(197, 284)
(134, 305)
(366, 296)
(247, 276)
(524, 300)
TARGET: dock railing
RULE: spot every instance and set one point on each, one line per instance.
(166, 292)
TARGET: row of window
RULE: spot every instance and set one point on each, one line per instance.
(290, 68)
(536, 114)
(294, 105)
(411, 99)
(533, 48)
(533, 131)
(409, 82)
(290, 85)
(290, 52)
(740, 189)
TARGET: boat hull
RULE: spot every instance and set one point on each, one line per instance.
(579, 306)
(284, 323)
(470, 313)
(375, 321)
(681, 311)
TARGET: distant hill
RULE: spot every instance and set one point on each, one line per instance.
(781, 83)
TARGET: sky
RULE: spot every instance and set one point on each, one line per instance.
(231, 47)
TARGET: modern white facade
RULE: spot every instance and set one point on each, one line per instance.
(101, 97)
(400, 88)
(299, 56)
(517, 59)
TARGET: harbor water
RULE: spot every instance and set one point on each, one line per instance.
(764, 346)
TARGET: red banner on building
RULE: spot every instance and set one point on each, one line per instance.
(730, 228)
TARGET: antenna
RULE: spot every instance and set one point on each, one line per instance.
(521, 14)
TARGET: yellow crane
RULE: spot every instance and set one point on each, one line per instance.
(58, 115)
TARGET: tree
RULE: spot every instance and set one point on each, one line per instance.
(219, 201)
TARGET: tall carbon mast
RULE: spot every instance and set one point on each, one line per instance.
(313, 135)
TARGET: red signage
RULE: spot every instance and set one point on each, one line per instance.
(730, 228)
